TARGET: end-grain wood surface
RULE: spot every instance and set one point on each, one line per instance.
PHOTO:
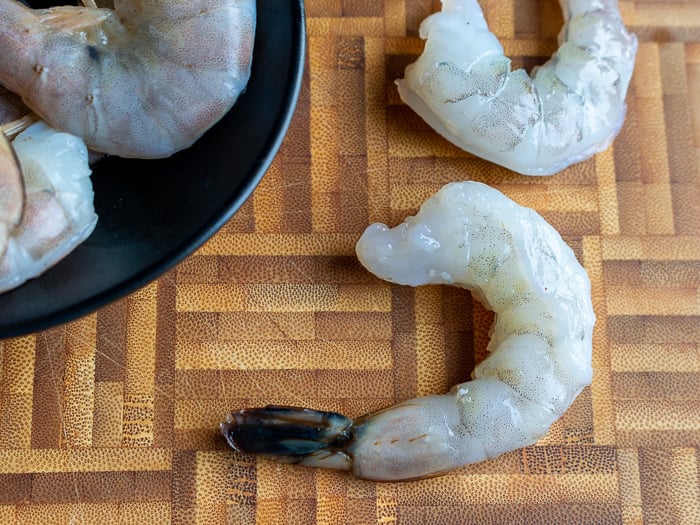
(113, 418)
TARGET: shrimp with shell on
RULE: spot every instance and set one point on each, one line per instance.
(11, 192)
(46, 202)
(46, 199)
(570, 108)
(145, 79)
(472, 236)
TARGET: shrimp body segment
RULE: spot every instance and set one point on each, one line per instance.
(144, 80)
(472, 236)
(569, 109)
(58, 204)
(11, 191)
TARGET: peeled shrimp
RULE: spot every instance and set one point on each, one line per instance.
(468, 235)
(58, 203)
(572, 107)
(143, 80)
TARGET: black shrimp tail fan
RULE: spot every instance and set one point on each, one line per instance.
(290, 434)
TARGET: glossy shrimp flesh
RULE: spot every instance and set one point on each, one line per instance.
(145, 79)
(568, 109)
(472, 236)
(58, 209)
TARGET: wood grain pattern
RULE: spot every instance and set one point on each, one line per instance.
(113, 418)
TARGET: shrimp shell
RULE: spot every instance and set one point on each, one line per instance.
(145, 80)
(572, 107)
(472, 236)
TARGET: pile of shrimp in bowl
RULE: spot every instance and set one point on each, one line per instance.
(81, 82)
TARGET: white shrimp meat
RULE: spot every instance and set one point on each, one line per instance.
(472, 236)
(569, 109)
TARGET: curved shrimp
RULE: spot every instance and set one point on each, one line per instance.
(145, 80)
(472, 236)
(571, 108)
(58, 204)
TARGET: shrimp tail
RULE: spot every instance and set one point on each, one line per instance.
(312, 438)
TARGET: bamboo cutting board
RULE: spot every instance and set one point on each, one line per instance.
(113, 418)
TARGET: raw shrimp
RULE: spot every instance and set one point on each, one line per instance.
(58, 204)
(469, 235)
(11, 192)
(572, 107)
(143, 80)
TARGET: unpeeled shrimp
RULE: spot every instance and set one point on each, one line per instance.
(572, 107)
(11, 192)
(143, 80)
(468, 235)
(58, 204)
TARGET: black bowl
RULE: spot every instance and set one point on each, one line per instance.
(154, 213)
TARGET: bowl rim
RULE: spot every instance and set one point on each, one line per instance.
(210, 227)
